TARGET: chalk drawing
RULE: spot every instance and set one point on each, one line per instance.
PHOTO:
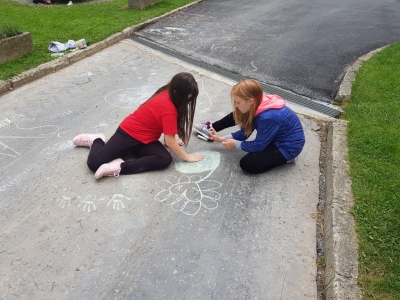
(168, 30)
(7, 155)
(129, 98)
(8, 151)
(6, 184)
(210, 163)
(85, 74)
(51, 117)
(254, 67)
(117, 201)
(189, 194)
(100, 127)
(203, 106)
(30, 125)
(58, 147)
(175, 28)
(61, 133)
(64, 201)
(6, 121)
(27, 128)
(89, 203)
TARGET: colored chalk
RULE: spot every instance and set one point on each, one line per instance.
(202, 137)
(206, 131)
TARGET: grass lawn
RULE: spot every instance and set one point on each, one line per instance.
(373, 113)
(92, 22)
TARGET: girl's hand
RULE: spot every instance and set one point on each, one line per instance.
(229, 143)
(215, 135)
(174, 146)
(194, 157)
(180, 143)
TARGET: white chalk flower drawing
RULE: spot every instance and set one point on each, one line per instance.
(189, 194)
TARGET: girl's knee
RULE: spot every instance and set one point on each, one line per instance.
(244, 165)
(165, 161)
(93, 165)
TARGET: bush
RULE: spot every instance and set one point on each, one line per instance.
(8, 30)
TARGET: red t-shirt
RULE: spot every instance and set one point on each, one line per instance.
(156, 116)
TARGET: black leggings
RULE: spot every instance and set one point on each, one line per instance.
(153, 156)
(254, 162)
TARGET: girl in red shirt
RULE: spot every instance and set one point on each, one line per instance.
(169, 111)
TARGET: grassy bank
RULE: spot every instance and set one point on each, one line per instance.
(92, 22)
(373, 113)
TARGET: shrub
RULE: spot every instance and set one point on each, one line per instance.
(8, 30)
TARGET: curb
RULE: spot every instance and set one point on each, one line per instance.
(340, 240)
(349, 77)
(70, 58)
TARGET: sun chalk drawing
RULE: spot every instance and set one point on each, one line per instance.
(189, 194)
(129, 98)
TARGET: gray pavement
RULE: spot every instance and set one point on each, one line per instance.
(67, 236)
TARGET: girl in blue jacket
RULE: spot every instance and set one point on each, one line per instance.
(280, 136)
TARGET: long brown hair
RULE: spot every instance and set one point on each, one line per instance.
(246, 89)
(183, 91)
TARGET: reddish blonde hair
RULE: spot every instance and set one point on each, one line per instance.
(246, 89)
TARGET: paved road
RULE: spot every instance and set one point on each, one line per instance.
(302, 47)
(67, 236)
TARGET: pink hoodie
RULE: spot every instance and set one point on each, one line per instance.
(270, 101)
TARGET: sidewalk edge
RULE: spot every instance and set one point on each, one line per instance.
(340, 240)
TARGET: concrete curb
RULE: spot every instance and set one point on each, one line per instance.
(349, 77)
(340, 241)
(70, 58)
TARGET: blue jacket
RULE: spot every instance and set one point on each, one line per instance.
(280, 127)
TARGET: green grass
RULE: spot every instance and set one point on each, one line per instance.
(92, 22)
(8, 30)
(373, 113)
